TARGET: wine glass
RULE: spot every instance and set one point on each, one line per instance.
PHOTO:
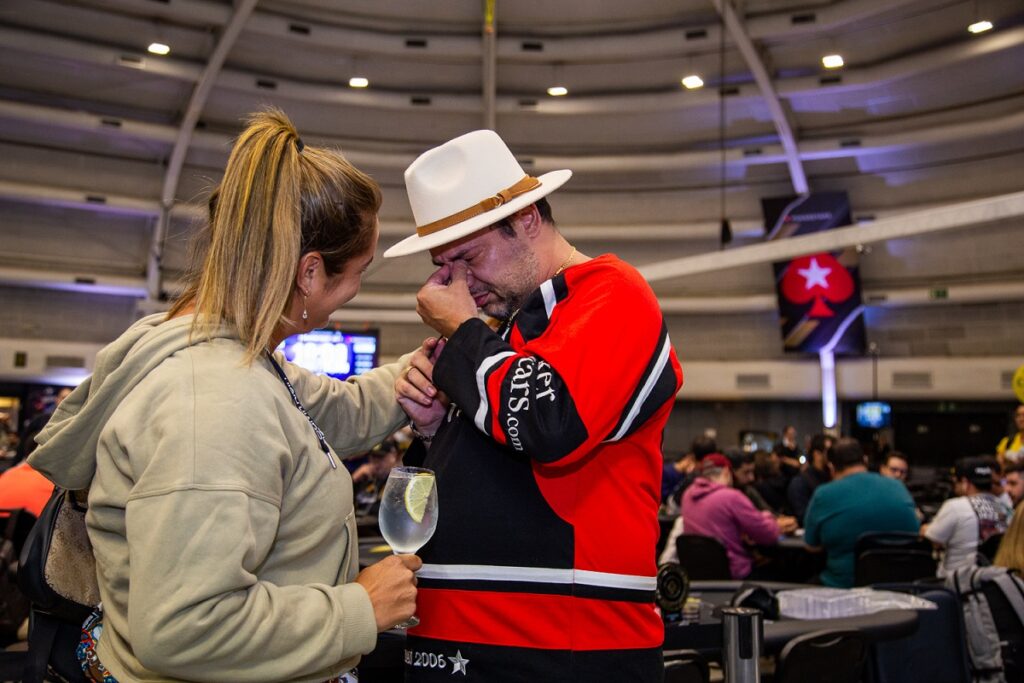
(408, 513)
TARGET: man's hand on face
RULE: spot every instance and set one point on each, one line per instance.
(444, 302)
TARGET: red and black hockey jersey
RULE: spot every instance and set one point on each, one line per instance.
(548, 467)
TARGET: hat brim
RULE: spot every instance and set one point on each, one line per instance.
(549, 182)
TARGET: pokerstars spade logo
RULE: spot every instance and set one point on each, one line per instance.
(818, 278)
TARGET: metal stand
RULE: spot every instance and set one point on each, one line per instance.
(742, 634)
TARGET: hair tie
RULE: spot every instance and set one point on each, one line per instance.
(299, 144)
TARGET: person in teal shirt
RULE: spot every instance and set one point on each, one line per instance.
(854, 502)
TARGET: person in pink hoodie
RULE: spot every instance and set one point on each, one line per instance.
(712, 507)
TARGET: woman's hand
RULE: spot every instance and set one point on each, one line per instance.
(391, 585)
(415, 389)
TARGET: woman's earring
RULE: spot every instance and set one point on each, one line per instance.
(305, 313)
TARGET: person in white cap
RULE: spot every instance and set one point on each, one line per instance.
(548, 456)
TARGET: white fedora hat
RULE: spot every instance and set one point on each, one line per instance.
(465, 185)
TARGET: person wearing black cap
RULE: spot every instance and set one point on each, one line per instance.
(964, 522)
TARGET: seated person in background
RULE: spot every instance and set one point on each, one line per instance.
(711, 507)
(1013, 482)
(742, 464)
(379, 462)
(964, 522)
(1011, 548)
(895, 466)
(802, 486)
(770, 482)
(854, 502)
(674, 471)
(23, 487)
(703, 445)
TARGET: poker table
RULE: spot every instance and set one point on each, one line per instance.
(704, 632)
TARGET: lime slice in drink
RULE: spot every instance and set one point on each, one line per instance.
(416, 495)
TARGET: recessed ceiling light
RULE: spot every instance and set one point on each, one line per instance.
(358, 82)
(558, 90)
(159, 48)
(832, 61)
(980, 26)
(692, 82)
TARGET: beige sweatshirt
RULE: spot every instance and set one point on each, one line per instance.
(224, 540)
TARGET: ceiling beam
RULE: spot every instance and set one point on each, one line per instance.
(876, 75)
(214, 64)
(1007, 127)
(951, 216)
(764, 81)
(658, 41)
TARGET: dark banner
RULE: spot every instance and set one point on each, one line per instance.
(819, 294)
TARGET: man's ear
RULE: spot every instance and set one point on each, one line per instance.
(528, 220)
(309, 264)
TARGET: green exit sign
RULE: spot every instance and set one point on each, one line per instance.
(938, 293)
(20, 359)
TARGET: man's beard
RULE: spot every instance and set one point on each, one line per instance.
(522, 282)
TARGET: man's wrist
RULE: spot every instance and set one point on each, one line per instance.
(421, 434)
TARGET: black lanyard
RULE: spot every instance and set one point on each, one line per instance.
(298, 404)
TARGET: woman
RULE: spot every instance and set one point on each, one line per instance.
(221, 521)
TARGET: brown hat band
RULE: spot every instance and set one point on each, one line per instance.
(527, 183)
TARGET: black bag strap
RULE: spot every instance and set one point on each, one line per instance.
(42, 633)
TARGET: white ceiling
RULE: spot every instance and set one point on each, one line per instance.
(923, 114)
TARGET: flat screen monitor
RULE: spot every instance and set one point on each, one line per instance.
(333, 352)
(874, 414)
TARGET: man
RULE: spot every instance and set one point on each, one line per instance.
(802, 486)
(712, 507)
(895, 466)
(742, 464)
(1011, 448)
(789, 452)
(964, 522)
(686, 469)
(1013, 476)
(548, 459)
(854, 502)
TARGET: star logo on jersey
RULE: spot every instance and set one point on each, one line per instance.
(458, 663)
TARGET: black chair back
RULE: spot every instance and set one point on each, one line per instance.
(937, 650)
(686, 666)
(703, 558)
(882, 565)
(823, 657)
(890, 540)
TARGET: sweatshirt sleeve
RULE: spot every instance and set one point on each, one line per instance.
(197, 610)
(355, 414)
(761, 528)
(589, 360)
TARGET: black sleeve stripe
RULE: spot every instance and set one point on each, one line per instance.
(536, 313)
(656, 386)
(537, 413)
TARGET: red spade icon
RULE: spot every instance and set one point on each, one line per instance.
(817, 277)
